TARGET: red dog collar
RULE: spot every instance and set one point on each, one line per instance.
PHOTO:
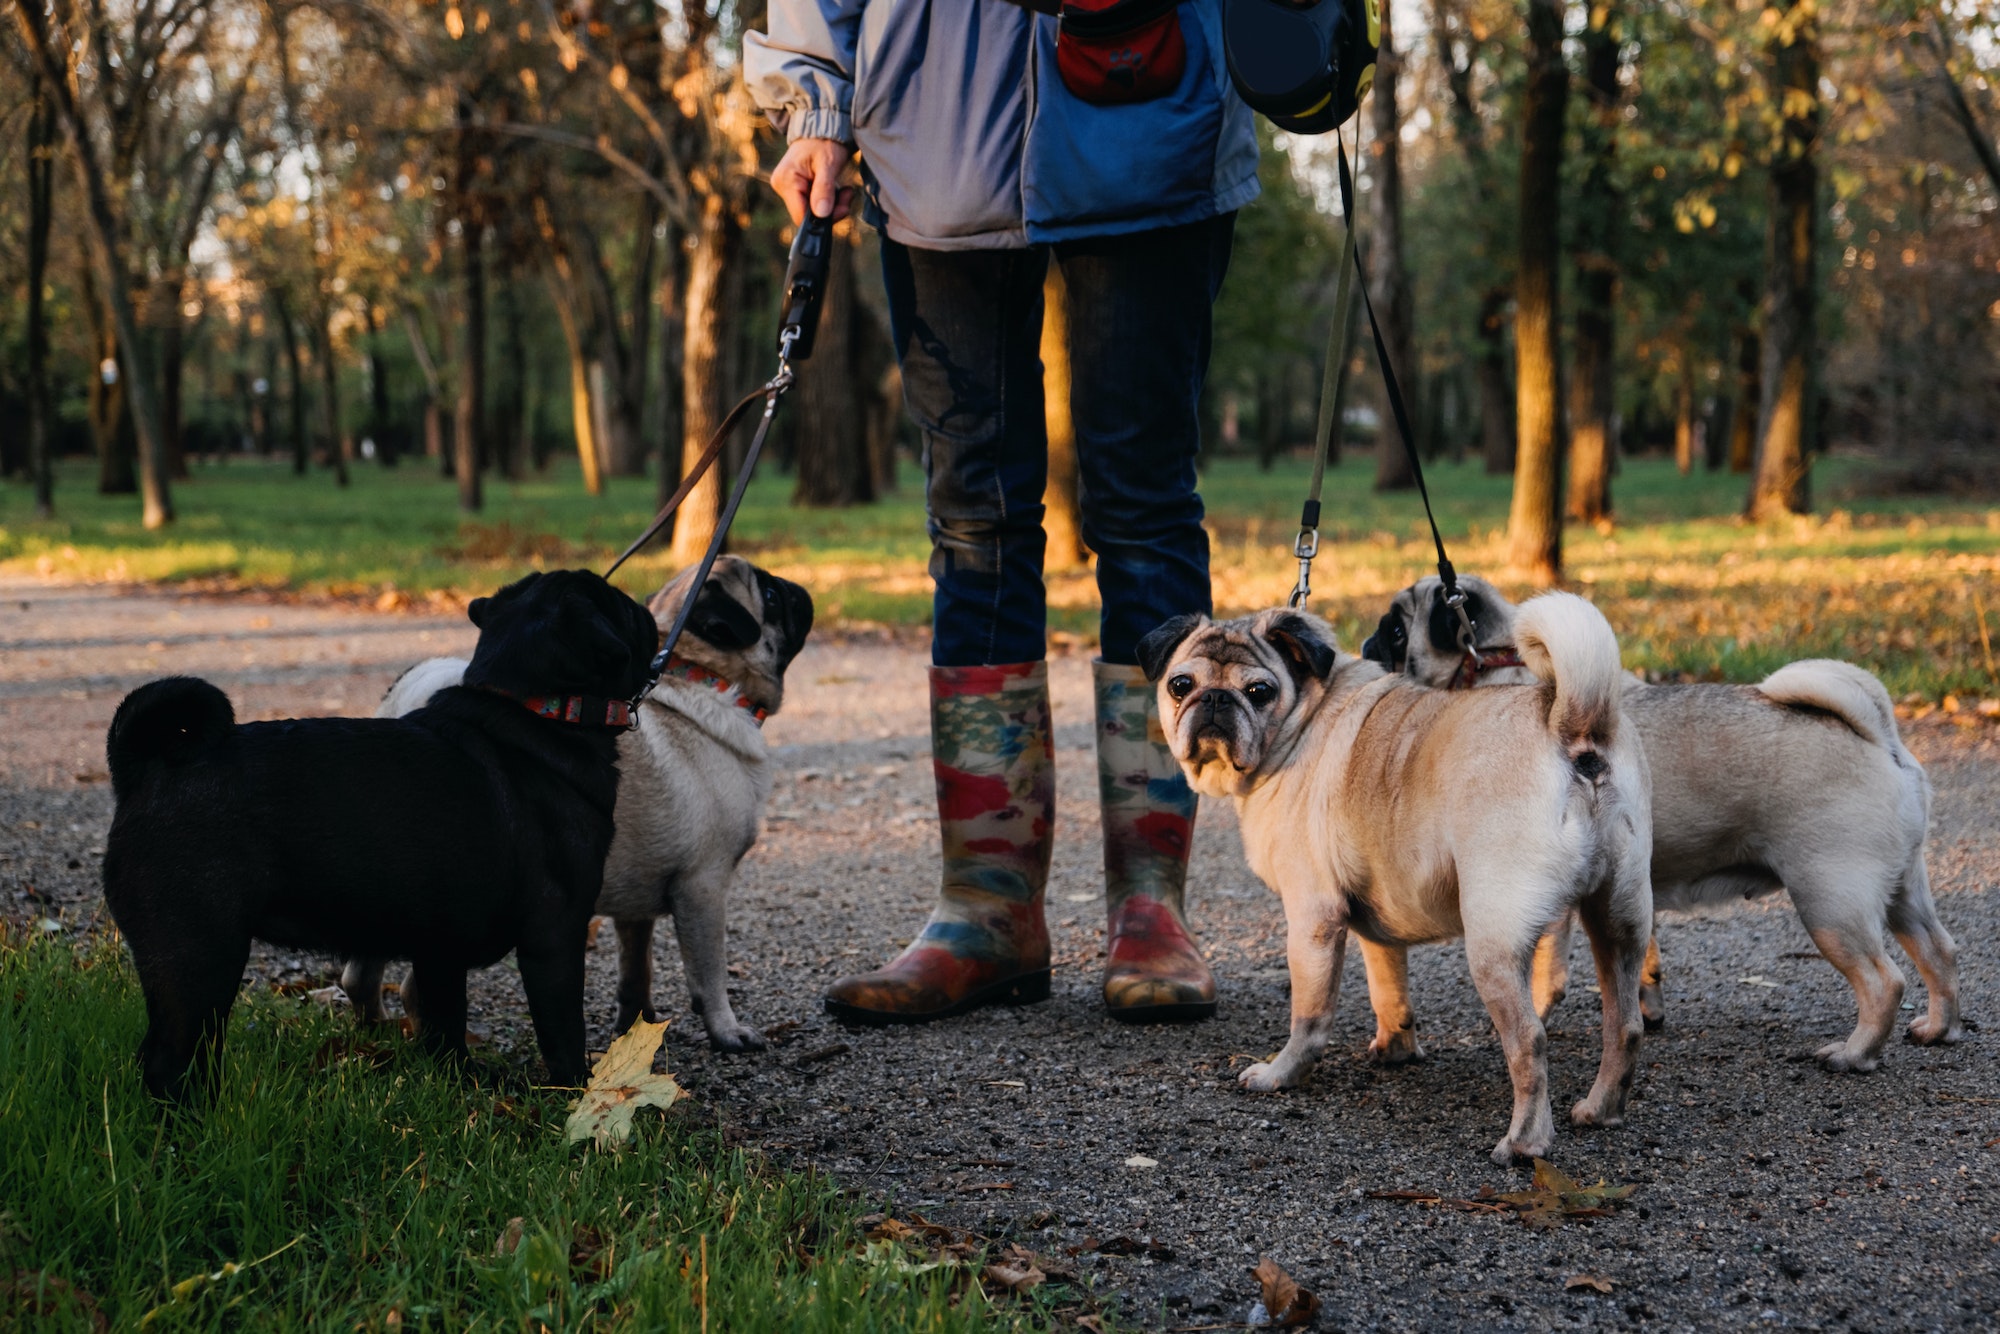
(1471, 668)
(695, 674)
(585, 710)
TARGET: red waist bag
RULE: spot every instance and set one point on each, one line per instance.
(1116, 51)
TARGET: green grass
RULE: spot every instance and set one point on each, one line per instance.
(368, 1192)
(1901, 585)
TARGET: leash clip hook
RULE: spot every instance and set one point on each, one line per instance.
(1305, 549)
(1468, 638)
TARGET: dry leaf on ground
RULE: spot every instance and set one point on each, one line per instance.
(1593, 1282)
(1016, 1270)
(1556, 1197)
(1287, 1305)
(509, 1239)
(621, 1083)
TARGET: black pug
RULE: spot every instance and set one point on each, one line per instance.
(473, 826)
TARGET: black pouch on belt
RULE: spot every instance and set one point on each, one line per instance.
(1304, 64)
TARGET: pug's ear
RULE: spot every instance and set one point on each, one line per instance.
(475, 611)
(1307, 650)
(1156, 650)
(721, 620)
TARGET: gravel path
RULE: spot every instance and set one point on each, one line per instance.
(1770, 1193)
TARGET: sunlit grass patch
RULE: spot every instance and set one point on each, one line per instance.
(343, 1181)
(1895, 584)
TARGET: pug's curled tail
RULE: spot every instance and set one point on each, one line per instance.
(1568, 644)
(1848, 693)
(170, 721)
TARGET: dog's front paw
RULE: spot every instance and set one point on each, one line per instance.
(736, 1040)
(1928, 1032)
(1596, 1111)
(1836, 1057)
(1395, 1046)
(1264, 1077)
(1510, 1151)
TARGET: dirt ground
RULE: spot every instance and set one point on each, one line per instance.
(1769, 1192)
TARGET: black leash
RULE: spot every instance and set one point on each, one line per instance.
(1337, 347)
(805, 289)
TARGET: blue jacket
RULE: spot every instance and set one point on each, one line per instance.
(970, 141)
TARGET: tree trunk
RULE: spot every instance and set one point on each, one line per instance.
(1684, 415)
(832, 465)
(705, 351)
(673, 338)
(387, 431)
(469, 431)
(1749, 390)
(510, 440)
(1388, 276)
(1496, 387)
(41, 167)
(173, 359)
(294, 382)
(1062, 517)
(583, 417)
(103, 238)
(1599, 206)
(1534, 526)
(338, 443)
(1789, 354)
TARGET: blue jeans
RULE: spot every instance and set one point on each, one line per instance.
(967, 327)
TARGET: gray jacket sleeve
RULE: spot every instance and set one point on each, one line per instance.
(801, 70)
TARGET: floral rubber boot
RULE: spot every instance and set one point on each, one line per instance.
(1153, 969)
(987, 942)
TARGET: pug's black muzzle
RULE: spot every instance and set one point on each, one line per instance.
(1390, 644)
(791, 608)
(1214, 714)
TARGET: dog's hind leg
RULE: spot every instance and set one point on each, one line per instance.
(1617, 919)
(188, 998)
(635, 972)
(1502, 963)
(1914, 920)
(1652, 997)
(1846, 921)
(1395, 1040)
(361, 979)
(1552, 966)
(1315, 949)
(434, 996)
(702, 929)
(552, 975)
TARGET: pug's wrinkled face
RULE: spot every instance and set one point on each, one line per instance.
(747, 626)
(1418, 635)
(1235, 694)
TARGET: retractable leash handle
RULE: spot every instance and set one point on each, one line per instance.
(805, 291)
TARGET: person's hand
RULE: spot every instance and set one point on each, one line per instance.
(808, 175)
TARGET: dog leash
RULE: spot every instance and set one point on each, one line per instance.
(805, 290)
(1332, 395)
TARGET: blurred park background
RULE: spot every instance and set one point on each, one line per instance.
(1698, 305)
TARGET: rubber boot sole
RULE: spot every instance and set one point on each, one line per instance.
(1021, 989)
(1187, 1012)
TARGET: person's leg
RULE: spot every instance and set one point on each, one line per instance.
(1139, 341)
(967, 329)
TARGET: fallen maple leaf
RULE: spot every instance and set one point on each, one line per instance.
(1557, 1196)
(621, 1083)
(1594, 1282)
(1286, 1304)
